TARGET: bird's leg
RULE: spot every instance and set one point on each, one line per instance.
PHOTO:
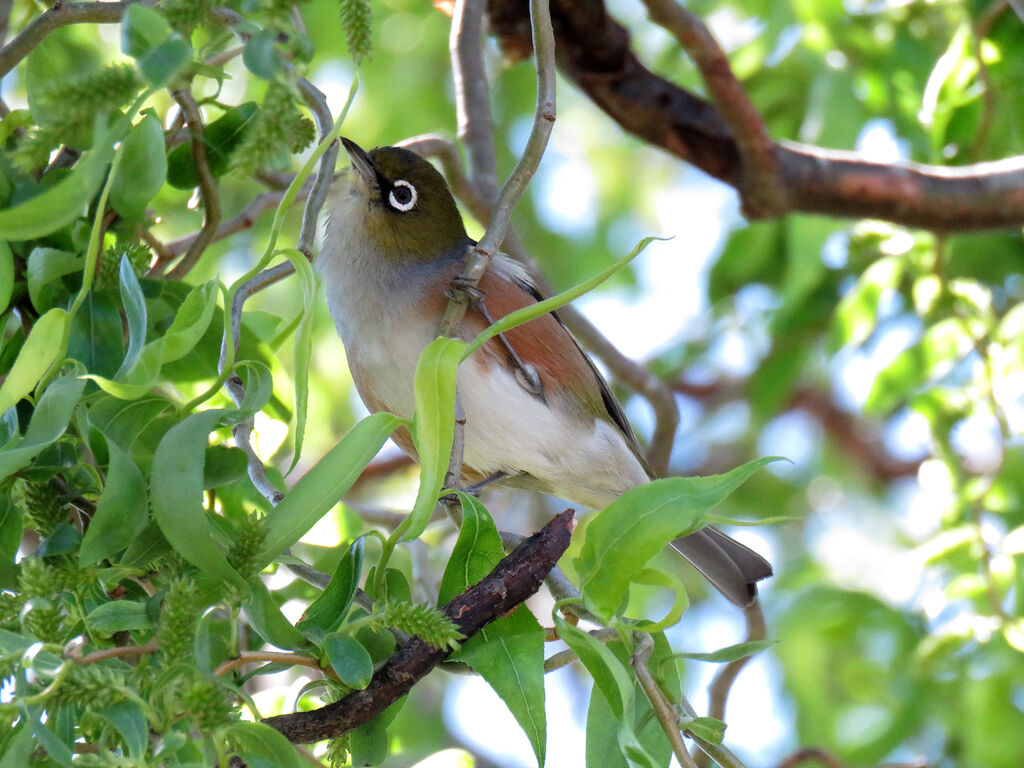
(476, 488)
(526, 375)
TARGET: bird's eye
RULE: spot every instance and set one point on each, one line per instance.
(402, 196)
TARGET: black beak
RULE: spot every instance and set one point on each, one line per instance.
(361, 162)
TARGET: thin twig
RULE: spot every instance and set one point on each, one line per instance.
(663, 710)
(207, 185)
(472, 100)
(718, 691)
(120, 652)
(988, 95)
(252, 657)
(544, 116)
(761, 192)
(60, 15)
(633, 374)
(245, 219)
(317, 103)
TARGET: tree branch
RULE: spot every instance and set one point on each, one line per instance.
(513, 580)
(544, 116)
(759, 187)
(61, 14)
(593, 51)
(207, 185)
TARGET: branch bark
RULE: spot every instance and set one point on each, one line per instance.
(514, 579)
(593, 51)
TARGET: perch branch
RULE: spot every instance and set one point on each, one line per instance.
(480, 256)
(513, 580)
(633, 374)
(593, 52)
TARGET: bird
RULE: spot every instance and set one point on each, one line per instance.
(539, 415)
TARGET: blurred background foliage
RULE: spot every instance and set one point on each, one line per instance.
(887, 364)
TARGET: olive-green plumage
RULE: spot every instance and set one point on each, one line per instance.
(431, 226)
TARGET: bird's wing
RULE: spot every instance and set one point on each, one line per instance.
(565, 370)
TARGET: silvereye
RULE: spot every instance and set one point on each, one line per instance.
(538, 413)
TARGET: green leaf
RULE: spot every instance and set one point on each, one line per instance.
(62, 203)
(433, 425)
(95, 338)
(303, 345)
(368, 743)
(190, 322)
(261, 746)
(349, 659)
(117, 616)
(330, 607)
(509, 652)
(159, 51)
(135, 315)
(260, 55)
(940, 347)
(45, 268)
(11, 528)
(533, 311)
(56, 749)
(613, 681)
(856, 315)
(323, 485)
(224, 465)
(130, 721)
(6, 275)
(49, 420)
(730, 652)
(177, 493)
(16, 747)
(142, 171)
(222, 137)
(140, 379)
(266, 618)
(707, 728)
(121, 511)
(639, 524)
(39, 352)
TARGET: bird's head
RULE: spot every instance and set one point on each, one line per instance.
(410, 215)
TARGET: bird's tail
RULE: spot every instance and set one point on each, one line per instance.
(732, 568)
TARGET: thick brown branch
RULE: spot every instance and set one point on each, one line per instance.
(513, 580)
(593, 51)
(760, 191)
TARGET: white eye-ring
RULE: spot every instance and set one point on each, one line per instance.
(403, 196)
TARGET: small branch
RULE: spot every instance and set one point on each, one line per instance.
(383, 468)
(635, 375)
(544, 116)
(472, 100)
(251, 657)
(245, 219)
(663, 710)
(759, 187)
(60, 15)
(120, 652)
(207, 185)
(718, 691)
(513, 580)
(317, 103)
